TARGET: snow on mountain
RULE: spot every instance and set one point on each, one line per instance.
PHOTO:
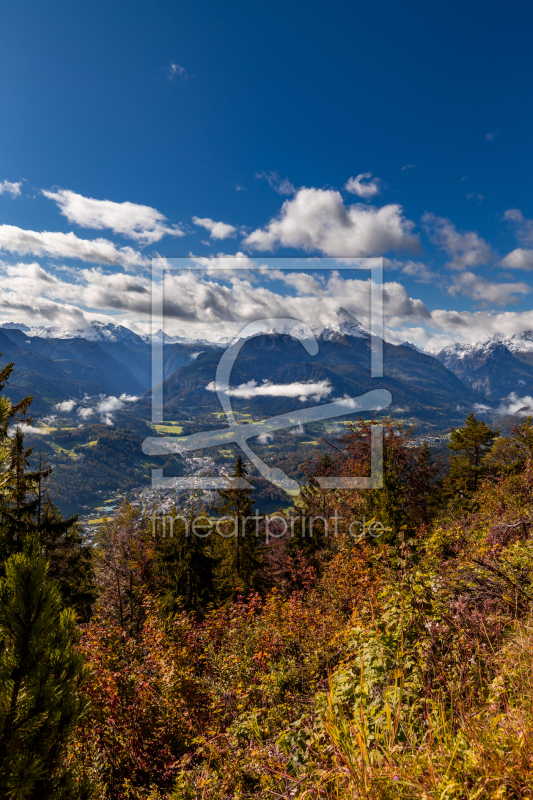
(520, 342)
(417, 349)
(95, 332)
(161, 335)
(346, 325)
(14, 326)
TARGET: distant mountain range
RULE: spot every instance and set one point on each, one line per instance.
(420, 385)
(56, 364)
(494, 368)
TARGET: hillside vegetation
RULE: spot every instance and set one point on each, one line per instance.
(386, 656)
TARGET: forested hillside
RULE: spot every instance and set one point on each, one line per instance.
(383, 651)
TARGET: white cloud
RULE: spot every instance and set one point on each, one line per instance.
(65, 407)
(299, 430)
(485, 291)
(523, 406)
(523, 226)
(362, 186)
(6, 187)
(141, 223)
(27, 429)
(482, 407)
(419, 272)
(174, 70)
(265, 438)
(68, 245)
(318, 220)
(197, 303)
(520, 258)
(109, 404)
(407, 167)
(40, 290)
(466, 249)
(217, 230)
(282, 186)
(106, 407)
(303, 391)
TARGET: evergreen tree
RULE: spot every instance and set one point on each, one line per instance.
(471, 444)
(316, 505)
(513, 454)
(20, 499)
(237, 546)
(28, 514)
(41, 674)
(70, 558)
(185, 564)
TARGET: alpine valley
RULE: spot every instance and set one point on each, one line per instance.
(93, 403)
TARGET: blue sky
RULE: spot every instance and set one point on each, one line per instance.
(222, 113)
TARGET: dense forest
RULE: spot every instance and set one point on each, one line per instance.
(206, 655)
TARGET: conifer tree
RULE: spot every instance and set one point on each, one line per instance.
(41, 674)
(239, 552)
(471, 444)
(28, 514)
(185, 563)
(310, 531)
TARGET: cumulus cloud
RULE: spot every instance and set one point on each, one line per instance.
(68, 245)
(303, 391)
(318, 220)
(265, 438)
(217, 230)
(65, 407)
(521, 258)
(141, 223)
(419, 272)
(523, 406)
(6, 187)
(282, 186)
(467, 249)
(199, 303)
(52, 298)
(363, 186)
(105, 407)
(487, 292)
(523, 227)
(112, 403)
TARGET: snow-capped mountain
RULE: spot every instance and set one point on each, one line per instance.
(160, 335)
(496, 367)
(417, 349)
(14, 326)
(520, 342)
(95, 332)
(345, 325)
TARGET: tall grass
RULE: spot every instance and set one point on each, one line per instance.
(440, 748)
